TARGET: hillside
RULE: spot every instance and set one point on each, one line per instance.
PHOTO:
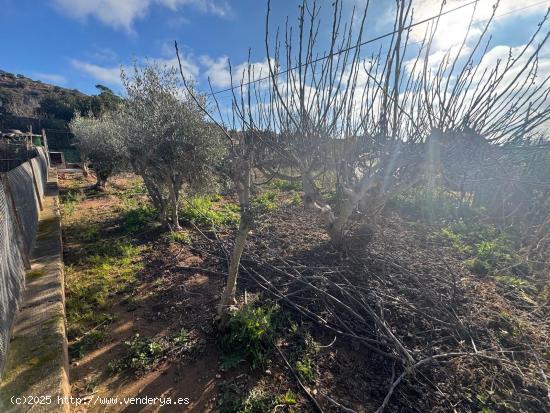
(25, 102)
(21, 96)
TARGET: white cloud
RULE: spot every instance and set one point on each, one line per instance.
(50, 77)
(218, 71)
(110, 75)
(121, 14)
(189, 68)
(217, 8)
(453, 27)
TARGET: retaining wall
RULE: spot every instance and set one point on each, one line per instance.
(21, 198)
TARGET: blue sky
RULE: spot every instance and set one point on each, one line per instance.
(79, 43)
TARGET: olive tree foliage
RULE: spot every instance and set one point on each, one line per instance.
(99, 142)
(168, 141)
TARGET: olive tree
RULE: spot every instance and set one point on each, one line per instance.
(99, 142)
(168, 140)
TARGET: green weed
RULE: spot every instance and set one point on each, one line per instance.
(516, 282)
(295, 200)
(202, 211)
(137, 219)
(249, 335)
(266, 201)
(141, 354)
(305, 369)
(289, 398)
(257, 400)
(181, 339)
(88, 342)
(178, 237)
(284, 185)
(69, 200)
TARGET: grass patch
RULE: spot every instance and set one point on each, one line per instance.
(295, 200)
(39, 272)
(110, 269)
(69, 199)
(258, 400)
(516, 282)
(266, 201)
(283, 185)
(178, 237)
(432, 206)
(204, 211)
(86, 343)
(131, 196)
(304, 369)
(137, 219)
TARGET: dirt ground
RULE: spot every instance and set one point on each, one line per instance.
(178, 285)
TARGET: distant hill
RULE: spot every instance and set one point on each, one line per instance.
(22, 97)
(26, 103)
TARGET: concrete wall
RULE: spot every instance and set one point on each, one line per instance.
(21, 199)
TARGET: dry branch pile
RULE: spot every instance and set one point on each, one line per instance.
(440, 337)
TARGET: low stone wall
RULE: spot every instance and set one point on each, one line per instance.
(21, 199)
(37, 359)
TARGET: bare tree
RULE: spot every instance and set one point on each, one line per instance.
(380, 123)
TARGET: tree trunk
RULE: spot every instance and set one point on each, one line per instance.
(174, 212)
(310, 192)
(101, 180)
(336, 229)
(84, 164)
(228, 297)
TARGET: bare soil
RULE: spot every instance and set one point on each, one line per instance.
(432, 303)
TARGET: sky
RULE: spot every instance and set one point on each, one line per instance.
(80, 43)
